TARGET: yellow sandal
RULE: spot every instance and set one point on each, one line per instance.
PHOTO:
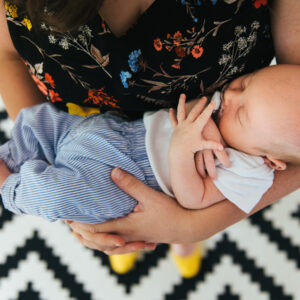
(123, 263)
(188, 266)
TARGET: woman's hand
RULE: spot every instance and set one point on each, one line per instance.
(157, 218)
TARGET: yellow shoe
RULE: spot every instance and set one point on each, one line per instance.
(188, 266)
(122, 263)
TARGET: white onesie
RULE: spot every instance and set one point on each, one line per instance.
(243, 183)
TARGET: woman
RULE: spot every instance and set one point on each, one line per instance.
(159, 219)
(136, 59)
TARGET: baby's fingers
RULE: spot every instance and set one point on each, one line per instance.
(197, 109)
(181, 113)
(199, 162)
(213, 145)
(205, 115)
(223, 158)
(172, 117)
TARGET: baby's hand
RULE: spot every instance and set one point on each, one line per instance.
(205, 160)
(187, 136)
(4, 172)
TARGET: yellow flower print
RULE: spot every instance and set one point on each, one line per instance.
(83, 111)
(27, 23)
(12, 9)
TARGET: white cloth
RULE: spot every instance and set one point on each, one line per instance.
(243, 183)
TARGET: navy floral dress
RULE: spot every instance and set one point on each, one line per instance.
(176, 46)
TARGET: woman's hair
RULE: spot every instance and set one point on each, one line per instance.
(61, 15)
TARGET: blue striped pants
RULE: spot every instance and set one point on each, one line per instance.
(62, 165)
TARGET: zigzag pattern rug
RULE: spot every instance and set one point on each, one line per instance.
(257, 259)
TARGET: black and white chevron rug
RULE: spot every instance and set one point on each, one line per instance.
(257, 259)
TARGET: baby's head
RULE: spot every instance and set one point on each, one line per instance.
(260, 114)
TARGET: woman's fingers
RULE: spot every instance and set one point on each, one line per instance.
(86, 243)
(131, 247)
(132, 186)
(111, 250)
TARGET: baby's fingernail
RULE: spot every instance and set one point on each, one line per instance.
(118, 245)
(117, 173)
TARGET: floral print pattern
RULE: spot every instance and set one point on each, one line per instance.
(44, 81)
(213, 42)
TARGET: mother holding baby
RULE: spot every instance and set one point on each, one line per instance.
(140, 55)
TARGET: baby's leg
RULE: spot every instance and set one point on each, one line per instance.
(35, 135)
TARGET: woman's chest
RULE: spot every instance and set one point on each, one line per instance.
(121, 15)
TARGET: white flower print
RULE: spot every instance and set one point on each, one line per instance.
(52, 39)
(239, 30)
(224, 59)
(226, 47)
(242, 43)
(252, 37)
(44, 26)
(64, 43)
(255, 25)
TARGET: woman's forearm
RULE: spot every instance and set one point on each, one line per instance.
(285, 24)
(205, 223)
(160, 220)
(17, 88)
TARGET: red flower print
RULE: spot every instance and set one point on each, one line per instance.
(176, 66)
(100, 97)
(258, 3)
(180, 51)
(157, 44)
(169, 48)
(177, 38)
(197, 51)
(41, 85)
(54, 96)
(50, 80)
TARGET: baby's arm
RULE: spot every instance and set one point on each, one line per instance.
(190, 189)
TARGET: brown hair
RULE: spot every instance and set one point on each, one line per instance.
(61, 15)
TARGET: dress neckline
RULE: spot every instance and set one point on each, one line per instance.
(146, 13)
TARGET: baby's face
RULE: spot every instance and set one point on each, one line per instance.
(250, 111)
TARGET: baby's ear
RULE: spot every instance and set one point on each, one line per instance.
(275, 163)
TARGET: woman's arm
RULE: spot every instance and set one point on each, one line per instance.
(17, 88)
(285, 23)
(160, 219)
